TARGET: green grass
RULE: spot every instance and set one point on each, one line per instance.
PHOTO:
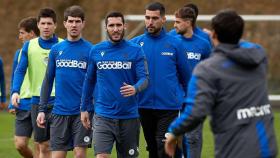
(7, 149)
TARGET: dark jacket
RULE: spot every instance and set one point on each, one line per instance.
(231, 87)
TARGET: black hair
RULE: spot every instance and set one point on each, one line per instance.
(154, 6)
(47, 13)
(114, 14)
(186, 13)
(29, 24)
(228, 26)
(74, 11)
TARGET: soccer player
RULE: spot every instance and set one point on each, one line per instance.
(196, 49)
(23, 125)
(196, 30)
(2, 86)
(68, 62)
(119, 69)
(230, 86)
(160, 103)
(34, 57)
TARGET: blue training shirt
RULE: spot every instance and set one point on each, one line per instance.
(195, 48)
(68, 63)
(2, 82)
(198, 31)
(112, 65)
(23, 64)
(25, 104)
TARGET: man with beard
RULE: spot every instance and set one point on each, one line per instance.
(119, 69)
(196, 29)
(196, 49)
(67, 64)
(160, 103)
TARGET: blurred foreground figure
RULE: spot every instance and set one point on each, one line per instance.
(230, 86)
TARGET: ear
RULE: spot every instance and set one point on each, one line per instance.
(125, 26)
(33, 35)
(163, 19)
(84, 23)
(214, 38)
(64, 23)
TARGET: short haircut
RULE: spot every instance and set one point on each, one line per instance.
(74, 11)
(194, 7)
(186, 13)
(114, 14)
(29, 24)
(154, 6)
(47, 13)
(228, 26)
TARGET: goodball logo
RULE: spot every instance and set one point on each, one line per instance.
(116, 65)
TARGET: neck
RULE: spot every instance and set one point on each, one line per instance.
(46, 38)
(189, 33)
(70, 38)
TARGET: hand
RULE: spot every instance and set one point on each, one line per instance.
(12, 111)
(170, 144)
(85, 119)
(41, 120)
(127, 90)
(15, 99)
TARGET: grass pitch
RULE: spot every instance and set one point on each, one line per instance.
(7, 149)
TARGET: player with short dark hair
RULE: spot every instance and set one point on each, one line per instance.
(119, 69)
(34, 59)
(160, 103)
(23, 125)
(196, 49)
(68, 62)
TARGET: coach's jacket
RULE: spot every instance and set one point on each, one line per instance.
(231, 87)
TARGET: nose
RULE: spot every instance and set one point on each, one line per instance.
(115, 29)
(150, 21)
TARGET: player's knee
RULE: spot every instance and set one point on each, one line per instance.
(102, 156)
(80, 154)
(44, 147)
(21, 144)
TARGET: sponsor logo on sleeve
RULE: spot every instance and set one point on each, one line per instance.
(251, 112)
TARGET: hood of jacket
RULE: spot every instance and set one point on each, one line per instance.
(249, 55)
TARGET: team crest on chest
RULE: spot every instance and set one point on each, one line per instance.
(45, 60)
(60, 52)
(102, 53)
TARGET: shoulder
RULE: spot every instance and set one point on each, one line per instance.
(87, 43)
(137, 38)
(202, 41)
(133, 45)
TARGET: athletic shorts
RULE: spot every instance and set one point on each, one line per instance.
(125, 132)
(23, 123)
(41, 134)
(67, 132)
